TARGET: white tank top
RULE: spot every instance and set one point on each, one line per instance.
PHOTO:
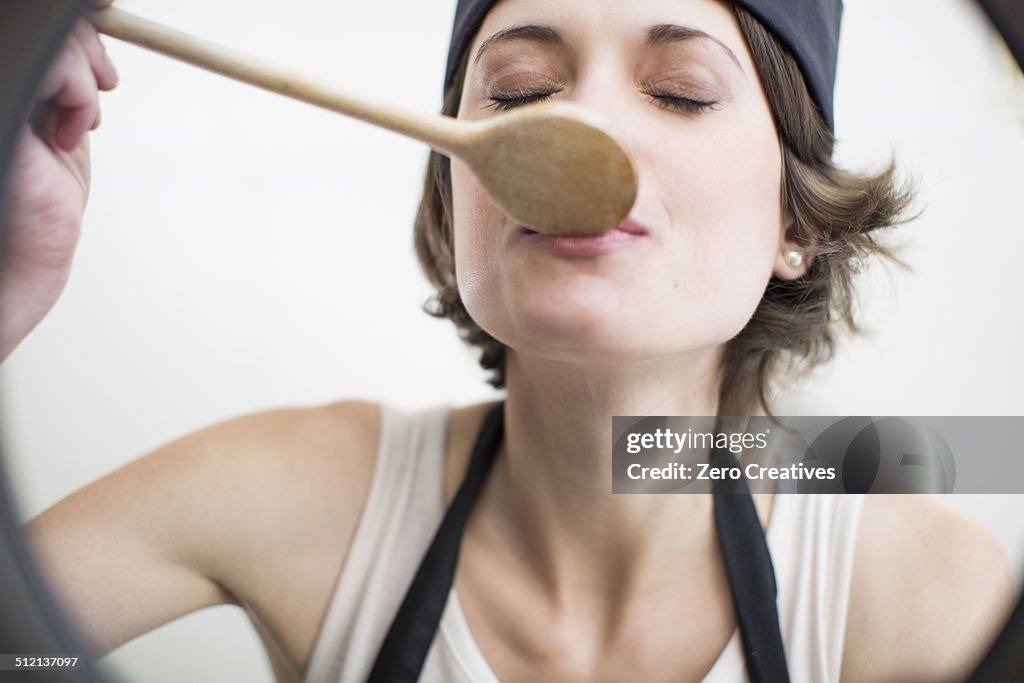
(811, 539)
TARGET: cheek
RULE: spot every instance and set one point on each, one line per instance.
(725, 189)
(477, 226)
(724, 204)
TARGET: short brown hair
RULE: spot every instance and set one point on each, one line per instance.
(836, 215)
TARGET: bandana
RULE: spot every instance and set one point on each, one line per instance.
(809, 28)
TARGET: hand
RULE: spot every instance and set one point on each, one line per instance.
(49, 184)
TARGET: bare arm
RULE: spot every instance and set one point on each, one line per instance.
(257, 511)
(931, 590)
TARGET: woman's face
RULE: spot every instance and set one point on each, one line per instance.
(674, 80)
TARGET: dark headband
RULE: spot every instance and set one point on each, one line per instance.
(809, 28)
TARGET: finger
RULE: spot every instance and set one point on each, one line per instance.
(77, 89)
(103, 3)
(72, 127)
(43, 120)
(102, 66)
(69, 61)
(77, 102)
(57, 73)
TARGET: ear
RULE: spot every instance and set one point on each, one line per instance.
(794, 257)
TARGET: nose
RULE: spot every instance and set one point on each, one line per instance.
(603, 86)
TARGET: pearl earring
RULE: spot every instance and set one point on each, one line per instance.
(795, 259)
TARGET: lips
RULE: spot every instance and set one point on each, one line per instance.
(630, 231)
(630, 226)
(633, 227)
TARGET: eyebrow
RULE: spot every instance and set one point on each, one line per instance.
(664, 34)
(534, 32)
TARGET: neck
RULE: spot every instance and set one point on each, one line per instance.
(554, 484)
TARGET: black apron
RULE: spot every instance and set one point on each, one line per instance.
(744, 549)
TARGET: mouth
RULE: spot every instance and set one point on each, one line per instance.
(630, 231)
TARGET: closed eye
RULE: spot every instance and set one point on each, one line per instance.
(673, 102)
(505, 103)
(684, 104)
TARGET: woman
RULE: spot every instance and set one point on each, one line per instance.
(315, 520)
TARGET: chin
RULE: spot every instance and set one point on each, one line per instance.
(557, 331)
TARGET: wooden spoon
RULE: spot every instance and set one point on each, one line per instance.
(550, 167)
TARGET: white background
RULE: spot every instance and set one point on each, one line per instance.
(242, 251)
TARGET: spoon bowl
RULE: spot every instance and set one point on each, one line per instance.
(553, 169)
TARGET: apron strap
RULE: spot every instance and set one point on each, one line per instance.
(405, 647)
(752, 583)
(748, 565)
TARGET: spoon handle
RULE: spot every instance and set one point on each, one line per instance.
(443, 133)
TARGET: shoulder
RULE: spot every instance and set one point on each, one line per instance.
(285, 446)
(277, 499)
(227, 494)
(301, 474)
(257, 510)
(930, 590)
